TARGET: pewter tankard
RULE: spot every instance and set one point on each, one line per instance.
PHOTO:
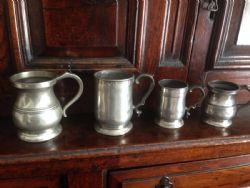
(37, 112)
(172, 103)
(113, 101)
(219, 107)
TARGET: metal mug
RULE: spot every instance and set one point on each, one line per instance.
(37, 112)
(172, 103)
(219, 107)
(113, 101)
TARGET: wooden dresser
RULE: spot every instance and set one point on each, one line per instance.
(191, 40)
(196, 155)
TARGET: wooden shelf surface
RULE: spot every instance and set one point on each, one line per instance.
(79, 139)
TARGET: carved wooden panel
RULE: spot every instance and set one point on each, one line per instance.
(216, 54)
(89, 34)
(227, 50)
(171, 25)
(70, 28)
(175, 18)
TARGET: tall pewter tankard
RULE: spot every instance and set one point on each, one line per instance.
(172, 103)
(219, 107)
(113, 101)
(37, 112)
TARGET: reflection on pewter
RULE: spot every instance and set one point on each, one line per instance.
(172, 103)
(37, 112)
(113, 101)
(220, 106)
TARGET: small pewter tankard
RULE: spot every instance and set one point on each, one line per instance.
(172, 103)
(219, 107)
(37, 112)
(113, 101)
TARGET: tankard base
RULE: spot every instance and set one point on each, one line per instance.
(113, 132)
(170, 124)
(217, 123)
(40, 136)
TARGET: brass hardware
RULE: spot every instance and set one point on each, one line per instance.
(211, 5)
(164, 183)
(70, 67)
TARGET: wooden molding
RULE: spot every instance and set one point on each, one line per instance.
(176, 49)
(224, 53)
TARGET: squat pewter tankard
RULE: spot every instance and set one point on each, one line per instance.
(172, 103)
(219, 107)
(113, 101)
(37, 112)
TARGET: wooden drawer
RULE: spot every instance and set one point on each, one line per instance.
(38, 182)
(227, 173)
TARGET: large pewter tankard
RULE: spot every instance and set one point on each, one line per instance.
(220, 107)
(113, 101)
(37, 112)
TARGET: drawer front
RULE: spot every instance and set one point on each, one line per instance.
(225, 173)
(40, 182)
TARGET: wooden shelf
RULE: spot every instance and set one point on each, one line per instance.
(79, 140)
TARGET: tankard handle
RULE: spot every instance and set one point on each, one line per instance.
(78, 94)
(144, 98)
(245, 87)
(203, 94)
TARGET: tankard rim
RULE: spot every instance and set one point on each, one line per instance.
(18, 79)
(173, 84)
(114, 75)
(223, 86)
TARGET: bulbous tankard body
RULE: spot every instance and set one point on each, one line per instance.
(37, 112)
(220, 107)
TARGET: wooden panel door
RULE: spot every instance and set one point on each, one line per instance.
(169, 34)
(222, 43)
